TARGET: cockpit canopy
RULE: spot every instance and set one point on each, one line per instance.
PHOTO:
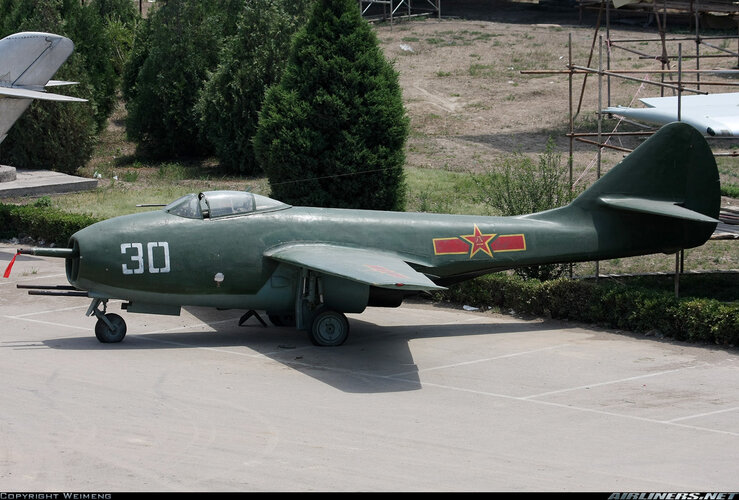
(217, 204)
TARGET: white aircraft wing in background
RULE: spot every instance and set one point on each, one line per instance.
(712, 114)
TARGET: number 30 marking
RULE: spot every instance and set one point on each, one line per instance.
(137, 257)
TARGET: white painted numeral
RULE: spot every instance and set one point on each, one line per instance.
(150, 250)
(137, 257)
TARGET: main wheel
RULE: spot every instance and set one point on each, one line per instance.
(108, 335)
(329, 328)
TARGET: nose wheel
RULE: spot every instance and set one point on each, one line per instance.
(110, 328)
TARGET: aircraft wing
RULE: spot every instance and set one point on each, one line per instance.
(19, 93)
(712, 114)
(372, 267)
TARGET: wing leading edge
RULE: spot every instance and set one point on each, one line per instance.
(21, 93)
(366, 266)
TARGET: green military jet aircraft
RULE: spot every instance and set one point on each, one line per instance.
(308, 266)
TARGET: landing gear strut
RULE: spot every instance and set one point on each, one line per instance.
(110, 328)
(326, 327)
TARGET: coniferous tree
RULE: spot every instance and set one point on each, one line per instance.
(332, 132)
(120, 18)
(182, 45)
(136, 58)
(250, 62)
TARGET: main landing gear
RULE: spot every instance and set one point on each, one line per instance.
(329, 328)
(110, 328)
(326, 327)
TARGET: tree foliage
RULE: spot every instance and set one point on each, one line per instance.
(54, 135)
(179, 46)
(250, 61)
(332, 132)
(120, 18)
(523, 186)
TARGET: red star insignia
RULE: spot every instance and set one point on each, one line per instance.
(479, 242)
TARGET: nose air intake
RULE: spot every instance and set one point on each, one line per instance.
(72, 264)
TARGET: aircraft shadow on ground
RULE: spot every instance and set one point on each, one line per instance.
(375, 359)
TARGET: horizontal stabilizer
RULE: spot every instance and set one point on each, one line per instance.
(655, 207)
(58, 83)
(35, 94)
(370, 267)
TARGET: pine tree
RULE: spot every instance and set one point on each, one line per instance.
(250, 62)
(333, 131)
(182, 45)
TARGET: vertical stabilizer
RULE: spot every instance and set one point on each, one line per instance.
(28, 61)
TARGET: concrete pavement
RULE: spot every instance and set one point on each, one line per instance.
(40, 182)
(420, 398)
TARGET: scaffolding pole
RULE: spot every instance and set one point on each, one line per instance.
(666, 71)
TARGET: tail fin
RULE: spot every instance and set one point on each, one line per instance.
(665, 193)
(28, 60)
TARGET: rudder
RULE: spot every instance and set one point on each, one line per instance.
(666, 194)
(675, 166)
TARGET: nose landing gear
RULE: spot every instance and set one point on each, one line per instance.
(110, 328)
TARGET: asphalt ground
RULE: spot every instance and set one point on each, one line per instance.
(420, 398)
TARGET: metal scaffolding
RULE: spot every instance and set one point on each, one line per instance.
(395, 9)
(605, 73)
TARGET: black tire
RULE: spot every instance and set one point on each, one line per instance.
(329, 328)
(105, 334)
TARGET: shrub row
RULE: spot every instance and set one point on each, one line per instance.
(604, 304)
(41, 223)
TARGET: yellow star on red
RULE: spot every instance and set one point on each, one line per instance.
(479, 242)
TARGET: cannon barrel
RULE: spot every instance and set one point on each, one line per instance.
(64, 253)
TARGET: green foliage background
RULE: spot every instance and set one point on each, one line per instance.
(332, 132)
(523, 186)
(251, 60)
(176, 48)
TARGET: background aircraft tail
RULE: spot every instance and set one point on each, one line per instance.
(28, 60)
(665, 195)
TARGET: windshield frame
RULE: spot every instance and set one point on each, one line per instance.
(204, 204)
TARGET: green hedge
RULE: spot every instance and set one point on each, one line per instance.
(41, 223)
(605, 304)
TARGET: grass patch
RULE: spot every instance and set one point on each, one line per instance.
(477, 70)
(730, 190)
(122, 188)
(441, 191)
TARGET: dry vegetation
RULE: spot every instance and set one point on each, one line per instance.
(470, 103)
